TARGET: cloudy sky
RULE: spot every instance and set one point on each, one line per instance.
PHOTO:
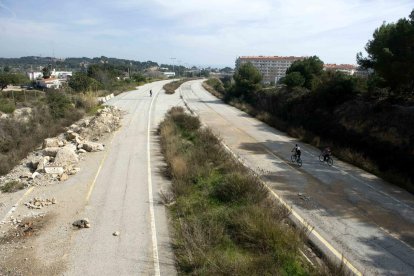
(195, 32)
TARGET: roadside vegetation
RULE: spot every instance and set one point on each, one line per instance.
(366, 121)
(172, 86)
(30, 116)
(224, 222)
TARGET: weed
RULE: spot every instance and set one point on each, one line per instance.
(12, 186)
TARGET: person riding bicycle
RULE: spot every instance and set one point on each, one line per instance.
(297, 151)
(326, 153)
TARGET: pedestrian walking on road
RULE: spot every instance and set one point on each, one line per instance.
(151, 93)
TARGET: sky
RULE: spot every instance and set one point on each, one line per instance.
(193, 32)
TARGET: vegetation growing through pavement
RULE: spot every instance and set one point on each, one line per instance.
(367, 121)
(224, 222)
(172, 86)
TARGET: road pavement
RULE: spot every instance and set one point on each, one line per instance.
(124, 196)
(354, 215)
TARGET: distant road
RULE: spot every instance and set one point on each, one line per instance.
(364, 218)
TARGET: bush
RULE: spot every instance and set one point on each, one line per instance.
(237, 187)
(58, 103)
(7, 106)
(12, 186)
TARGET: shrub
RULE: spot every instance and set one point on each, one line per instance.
(58, 103)
(12, 186)
(7, 106)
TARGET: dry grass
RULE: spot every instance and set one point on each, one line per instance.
(12, 186)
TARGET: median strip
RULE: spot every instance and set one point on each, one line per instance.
(224, 219)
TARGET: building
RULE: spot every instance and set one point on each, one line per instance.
(169, 74)
(348, 69)
(272, 68)
(34, 75)
(53, 83)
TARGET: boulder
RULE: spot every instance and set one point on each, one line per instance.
(82, 223)
(22, 114)
(41, 164)
(92, 146)
(63, 177)
(66, 156)
(51, 151)
(54, 170)
(52, 143)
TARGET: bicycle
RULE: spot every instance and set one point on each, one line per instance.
(296, 159)
(328, 159)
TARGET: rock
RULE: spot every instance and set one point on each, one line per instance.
(82, 223)
(92, 146)
(51, 143)
(72, 170)
(42, 163)
(63, 177)
(54, 170)
(51, 151)
(116, 233)
(81, 150)
(22, 114)
(71, 135)
(34, 175)
(66, 156)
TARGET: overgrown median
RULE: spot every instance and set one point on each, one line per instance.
(224, 222)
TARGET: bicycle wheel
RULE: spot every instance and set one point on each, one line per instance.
(299, 161)
(321, 157)
(330, 161)
(293, 158)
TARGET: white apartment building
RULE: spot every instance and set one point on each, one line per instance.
(272, 68)
(348, 69)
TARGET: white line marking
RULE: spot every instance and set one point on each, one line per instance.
(16, 204)
(151, 200)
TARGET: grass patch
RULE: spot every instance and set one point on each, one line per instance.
(223, 219)
(12, 186)
(172, 86)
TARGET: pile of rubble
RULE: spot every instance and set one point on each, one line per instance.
(59, 156)
(39, 203)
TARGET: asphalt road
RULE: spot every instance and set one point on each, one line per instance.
(353, 214)
(124, 197)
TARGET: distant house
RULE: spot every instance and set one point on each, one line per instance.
(34, 75)
(169, 74)
(348, 69)
(53, 83)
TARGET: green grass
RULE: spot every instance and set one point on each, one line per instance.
(224, 222)
(172, 86)
(7, 105)
(12, 186)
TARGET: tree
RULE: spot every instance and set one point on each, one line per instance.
(11, 78)
(391, 54)
(294, 79)
(80, 82)
(247, 78)
(310, 68)
(46, 72)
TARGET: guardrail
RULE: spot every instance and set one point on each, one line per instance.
(102, 100)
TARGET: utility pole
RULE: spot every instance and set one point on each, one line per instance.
(173, 59)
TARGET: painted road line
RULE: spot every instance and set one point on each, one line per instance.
(16, 204)
(150, 196)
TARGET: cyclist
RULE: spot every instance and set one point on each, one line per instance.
(326, 153)
(151, 93)
(297, 151)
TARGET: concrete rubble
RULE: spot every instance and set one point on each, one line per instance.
(39, 203)
(58, 157)
(82, 223)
